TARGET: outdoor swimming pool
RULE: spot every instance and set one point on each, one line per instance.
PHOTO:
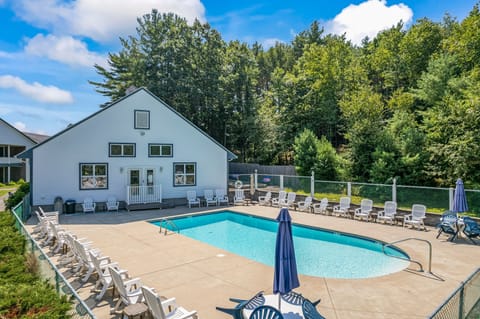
(319, 253)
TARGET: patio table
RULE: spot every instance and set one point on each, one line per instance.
(289, 311)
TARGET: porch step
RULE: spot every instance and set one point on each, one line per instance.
(144, 206)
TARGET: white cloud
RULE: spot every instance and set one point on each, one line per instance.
(270, 42)
(367, 19)
(6, 55)
(20, 126)
(104, 20)
(64, 49)
(36, 91)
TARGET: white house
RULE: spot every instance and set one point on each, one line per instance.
(12, 143)
(137, 149)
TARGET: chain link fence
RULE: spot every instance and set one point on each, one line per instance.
(49, 271)
(464, 302)
(437, 199)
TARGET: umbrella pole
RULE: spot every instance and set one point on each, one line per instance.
(279, 302)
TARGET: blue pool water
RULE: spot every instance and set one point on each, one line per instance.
(318, 252)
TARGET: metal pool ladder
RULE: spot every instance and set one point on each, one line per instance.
(411, 260)
(166, 221)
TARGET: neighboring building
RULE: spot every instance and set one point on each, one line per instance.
(12, 143)
(137, 149)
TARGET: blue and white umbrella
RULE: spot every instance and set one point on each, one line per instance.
(460, 204)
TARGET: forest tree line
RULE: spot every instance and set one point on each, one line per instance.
(403, 105)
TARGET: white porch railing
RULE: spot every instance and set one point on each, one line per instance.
(144, 194)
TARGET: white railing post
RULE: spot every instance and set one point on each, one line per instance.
(450, 198)
(312, 184)
(349, 189)
(281, 182)
(394, 190)
(256, 179)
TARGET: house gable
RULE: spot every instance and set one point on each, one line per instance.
(112, 141)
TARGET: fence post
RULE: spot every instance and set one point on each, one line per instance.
(349, 189)
(281, 182)
(394, 190)
(461, 301)
(312, 184)
(256, 179)
(450, 198)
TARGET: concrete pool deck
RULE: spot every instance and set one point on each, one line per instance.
(202, 277)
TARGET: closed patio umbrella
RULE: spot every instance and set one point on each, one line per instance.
(285, 275)
(460, 199)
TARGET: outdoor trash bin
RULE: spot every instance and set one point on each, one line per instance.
(70, 206)
(58, 204)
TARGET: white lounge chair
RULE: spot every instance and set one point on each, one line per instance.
(388, 213)
(416, 217)
(104, 277)
(112, 204)
(130, 291)
(321, 208)
(221, 197)
(342, 209)
(282, 195)
(265, 200)
(165, 309)
(88, 205)
(209, 199)
(290, 201)
(239, 198)
(306, 205)
(366, 206)
(192, 199)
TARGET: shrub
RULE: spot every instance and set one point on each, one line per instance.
(22, 293)
(17, 197)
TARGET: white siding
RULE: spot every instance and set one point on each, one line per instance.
(10, 136)
(56, 163)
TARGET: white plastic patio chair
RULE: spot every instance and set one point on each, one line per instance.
(104, 277)
(192, 199)
(321, 208)
(130, 291)
(88, 205)
(388, 213)
(343, 207)
(165, 309)
(289, 201)
(265, 200)
(366, 206)
(416, 217)
(209, 198)
(306, 205)
(112, 204)
(239, 198)
(282, 195)
(221, 197)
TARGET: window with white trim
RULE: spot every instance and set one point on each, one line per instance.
(185, 174)
(142, 120)
(121, 149)
(160, 150)
(93, 176)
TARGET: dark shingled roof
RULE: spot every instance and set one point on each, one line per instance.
(38, 138)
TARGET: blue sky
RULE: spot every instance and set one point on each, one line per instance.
(48, 47)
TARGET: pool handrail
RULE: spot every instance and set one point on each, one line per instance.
(168, 222)
(411, 260)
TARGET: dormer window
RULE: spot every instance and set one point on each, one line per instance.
(142, 120)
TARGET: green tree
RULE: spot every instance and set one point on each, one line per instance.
(306, 151)
(363, 111)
